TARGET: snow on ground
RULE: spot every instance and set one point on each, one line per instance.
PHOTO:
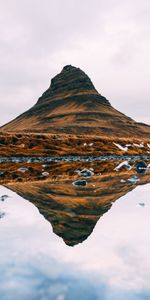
(139, 145)
(126, 147)
(133, 179)
(121, 147)
(124, 163)
(91, 144)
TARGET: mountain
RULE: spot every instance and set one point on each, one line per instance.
(72, 105)
(73, 211)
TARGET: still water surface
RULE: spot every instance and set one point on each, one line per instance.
(59, 241)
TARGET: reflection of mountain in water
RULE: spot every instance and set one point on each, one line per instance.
(73, 211)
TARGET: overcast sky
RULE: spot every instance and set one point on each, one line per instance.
(108, 39)
(114, 259)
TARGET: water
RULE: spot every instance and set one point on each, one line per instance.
(65, 242)
(70, 158)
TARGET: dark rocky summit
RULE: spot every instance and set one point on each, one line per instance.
(72, 105)
(70, 79)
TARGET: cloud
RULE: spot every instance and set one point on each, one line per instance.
(112, 264)
(108, 39)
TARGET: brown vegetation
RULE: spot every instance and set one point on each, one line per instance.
(20, 144)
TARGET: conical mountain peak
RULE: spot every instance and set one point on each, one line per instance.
(70, 79)
(72, 105)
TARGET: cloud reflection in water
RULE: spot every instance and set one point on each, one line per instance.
(113, 263)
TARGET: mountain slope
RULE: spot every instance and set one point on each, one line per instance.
(72, 105)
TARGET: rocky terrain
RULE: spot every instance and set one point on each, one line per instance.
(71, 117)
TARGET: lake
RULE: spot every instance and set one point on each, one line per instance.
(77, 230)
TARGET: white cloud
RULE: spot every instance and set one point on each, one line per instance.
(108, 39)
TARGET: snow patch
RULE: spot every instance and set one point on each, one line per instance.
(45, 173)
(121, 147)
(124, 163)
(133, 179)
(90, 144)
(23, 170)
(122, 180)
(139, 145)
(85, 173)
